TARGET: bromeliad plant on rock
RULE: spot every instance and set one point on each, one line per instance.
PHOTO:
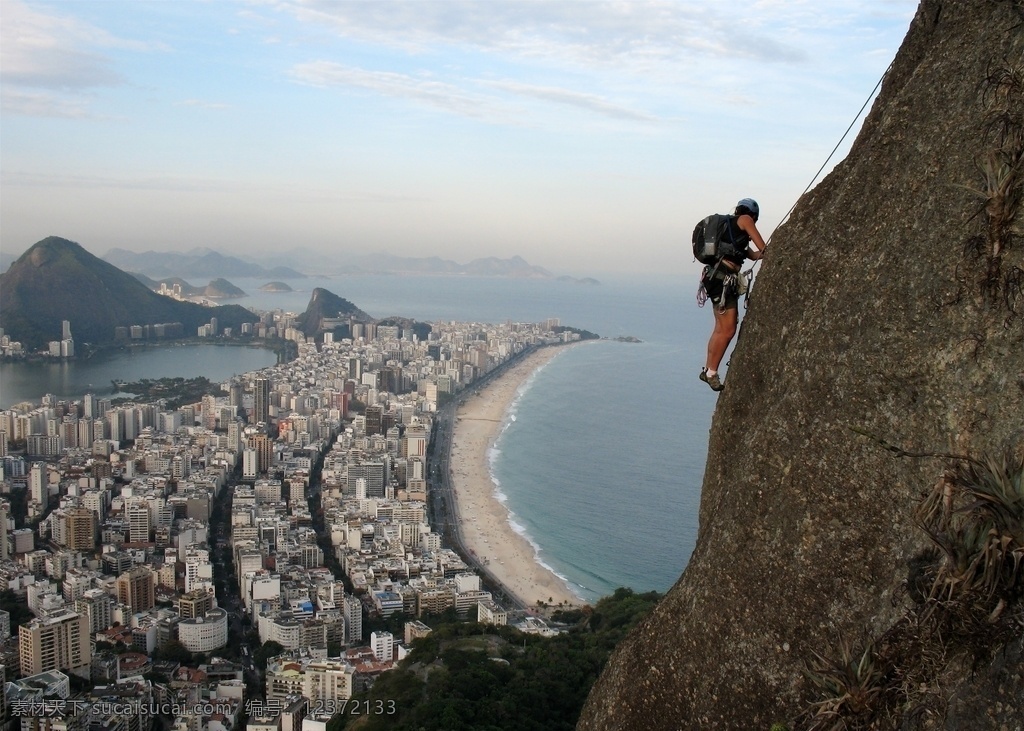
(967, 601)
(851, 684)
(975, 517)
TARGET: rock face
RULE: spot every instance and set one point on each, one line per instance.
(890, 306)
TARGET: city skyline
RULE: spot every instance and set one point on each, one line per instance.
(584, 137)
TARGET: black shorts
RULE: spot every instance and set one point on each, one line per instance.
(721, 288)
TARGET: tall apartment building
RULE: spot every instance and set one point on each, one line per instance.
(353, 620)
(383, 646)
(374, 420)
(414, 443)
(139, 520)
(195, 604)
(250, 464)
(5, 512)
(248, 559)
(261, 400)
(234, 435)
(38, 484)
(97, 607)
(136, 587)
(86, 435)
(325, 682)
(80, 529)
(58, 640)
(198, 569)
(372, 472)
(209, 408)
(264, 447)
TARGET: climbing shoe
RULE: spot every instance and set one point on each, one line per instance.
(714, 381)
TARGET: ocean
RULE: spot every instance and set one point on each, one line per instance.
(602, 455)
(601, 458)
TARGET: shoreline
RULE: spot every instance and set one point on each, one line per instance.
(485, 522)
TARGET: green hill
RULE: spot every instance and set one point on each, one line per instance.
(58, 280)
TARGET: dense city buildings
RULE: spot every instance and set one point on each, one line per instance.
(290, 507)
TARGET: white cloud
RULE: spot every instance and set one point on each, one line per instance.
(454, 99)
(588, 102)
(432, 93)
(42, 104)
(203, 104)
(55, 51)
(629, 35)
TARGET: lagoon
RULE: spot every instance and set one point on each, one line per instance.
(31, 380)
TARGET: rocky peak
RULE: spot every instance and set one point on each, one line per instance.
(886, 329)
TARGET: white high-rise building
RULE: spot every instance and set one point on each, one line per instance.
(247, 560)
(383, 646)
(95, 501)
(97, 606)
(326, 682)
(198, 569)
(137, 515)
(250, 464)
(353, 620)
(38, 484)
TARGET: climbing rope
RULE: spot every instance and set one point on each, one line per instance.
(750, 272)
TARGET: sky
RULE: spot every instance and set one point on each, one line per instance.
(586, 137)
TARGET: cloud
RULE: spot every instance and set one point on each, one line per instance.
(630, 35)
(42, 104)
(46, 51)
(231, 187)
(202, 104)
(454, 99)
(436, 94)
(588, 102)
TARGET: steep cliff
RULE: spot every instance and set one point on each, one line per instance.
(888, 311)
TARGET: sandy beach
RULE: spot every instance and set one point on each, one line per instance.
(484, 520)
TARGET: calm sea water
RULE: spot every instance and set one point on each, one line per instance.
(602, 457)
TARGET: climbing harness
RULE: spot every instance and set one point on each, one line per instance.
(731, 283)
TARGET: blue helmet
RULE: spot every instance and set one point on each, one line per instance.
(751, 205)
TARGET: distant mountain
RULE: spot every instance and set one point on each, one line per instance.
(57, 280)
(216, 289)
(285, 273)
(206, 262)
(327, 312)
(196, 263)
(515, 267)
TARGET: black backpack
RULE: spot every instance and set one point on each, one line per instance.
(712, 239)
